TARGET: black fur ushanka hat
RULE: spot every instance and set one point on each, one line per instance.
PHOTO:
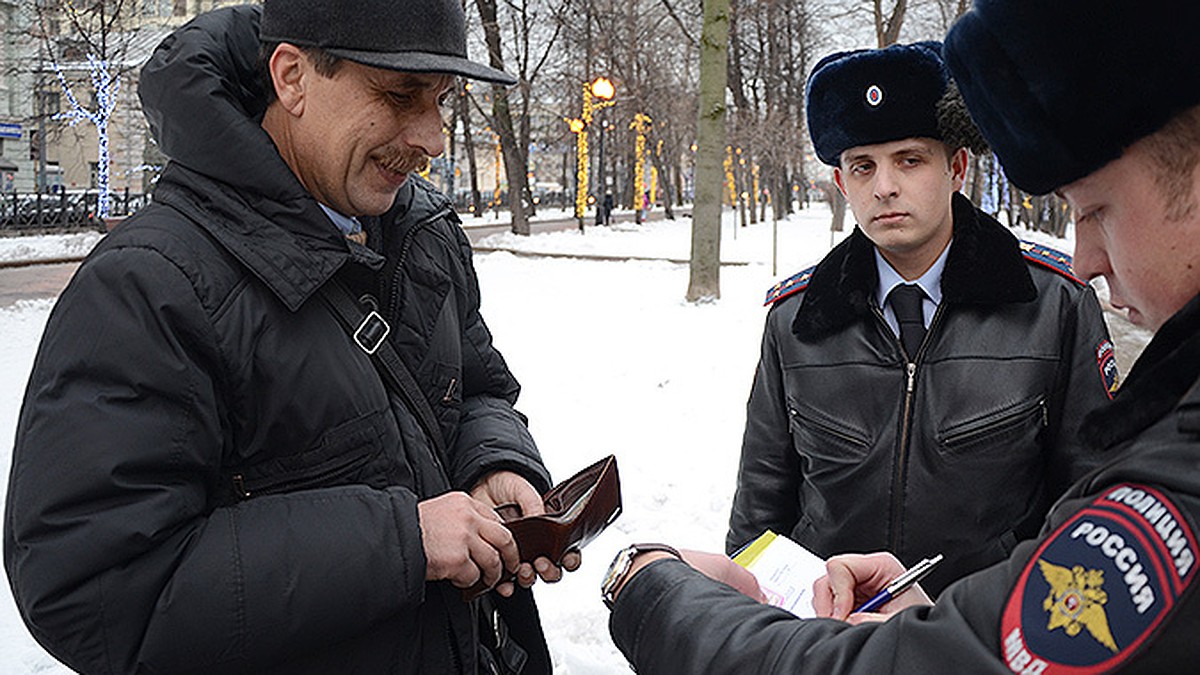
(871, 96)
(1061, 88)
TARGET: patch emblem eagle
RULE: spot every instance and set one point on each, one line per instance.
(1100, 586)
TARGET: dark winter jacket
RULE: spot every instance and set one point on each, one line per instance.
(1110, 584)
(209, 475)
(848, 447)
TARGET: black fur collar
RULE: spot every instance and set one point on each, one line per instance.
(1162, 375)
(984, 267)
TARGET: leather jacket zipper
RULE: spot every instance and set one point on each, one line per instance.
(1009, 418)
(825, 428)
(900, 473)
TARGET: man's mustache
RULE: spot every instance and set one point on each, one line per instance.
(404, 162)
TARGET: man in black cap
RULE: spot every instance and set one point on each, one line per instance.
(267, 427)
(1096, 101)
(920, 389)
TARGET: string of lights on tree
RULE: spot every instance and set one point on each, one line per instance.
(106, 85)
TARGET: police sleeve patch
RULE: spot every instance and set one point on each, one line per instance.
(1106, 360)
(1100, 586)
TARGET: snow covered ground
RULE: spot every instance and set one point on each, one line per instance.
(612, 360)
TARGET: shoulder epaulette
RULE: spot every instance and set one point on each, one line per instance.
(793, 284)
(1049, 258)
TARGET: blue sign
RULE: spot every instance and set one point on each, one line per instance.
(10, 130)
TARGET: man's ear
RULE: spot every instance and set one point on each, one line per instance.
(289, 68)
(837, 180)
(958, 168)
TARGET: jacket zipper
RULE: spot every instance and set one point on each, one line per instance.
(900, 473)
(405, 244)
(803, 420)
(1009, 419)
(394, 311)
(266, 487)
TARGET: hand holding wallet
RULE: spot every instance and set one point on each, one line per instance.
(577, 510)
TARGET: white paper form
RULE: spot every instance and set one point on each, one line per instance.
(785, 571)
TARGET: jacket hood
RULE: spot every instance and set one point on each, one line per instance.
(984, 267)
(204, 99)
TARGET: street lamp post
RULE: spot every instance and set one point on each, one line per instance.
(601, 88)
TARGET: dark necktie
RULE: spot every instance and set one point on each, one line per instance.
(906, 303)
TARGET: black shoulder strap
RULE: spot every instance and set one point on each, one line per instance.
(369, 331)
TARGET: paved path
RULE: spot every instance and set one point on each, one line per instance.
(34, 282)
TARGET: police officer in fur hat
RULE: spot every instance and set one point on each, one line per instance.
(213, 472)
(920, 389)
(1097, 102)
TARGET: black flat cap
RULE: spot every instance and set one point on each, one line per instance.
(416, 36)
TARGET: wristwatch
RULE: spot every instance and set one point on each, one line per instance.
(619, 568)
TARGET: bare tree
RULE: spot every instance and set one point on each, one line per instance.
(887, 24)
(92, 41)
(705, 278)
(533, 31)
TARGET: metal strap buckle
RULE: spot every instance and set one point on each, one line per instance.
(371, 332)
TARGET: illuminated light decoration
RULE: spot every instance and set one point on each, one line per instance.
(730, 183)
(601, 88)
(641, 124)
(499, 159)
(106, 85)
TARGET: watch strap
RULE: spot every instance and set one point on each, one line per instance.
(623, 562)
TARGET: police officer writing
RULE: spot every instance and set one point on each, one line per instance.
(1097, 102)
(921, 388)
(213, 471)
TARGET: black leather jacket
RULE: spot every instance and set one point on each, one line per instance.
(848, 447)
(209, 475)
(1109, 584)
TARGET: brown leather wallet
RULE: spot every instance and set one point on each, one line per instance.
(577, 510)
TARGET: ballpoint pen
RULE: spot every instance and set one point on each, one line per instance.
(900, 584)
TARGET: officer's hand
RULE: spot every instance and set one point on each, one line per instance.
(464, 541)
(713, 565)
(505, 487)
(852, 579)
(722, 568)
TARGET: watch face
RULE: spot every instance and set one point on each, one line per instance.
(617, 569)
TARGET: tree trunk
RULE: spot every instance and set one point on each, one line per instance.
(705, 268)
(465, 112)
(502, 123)
(887, 31)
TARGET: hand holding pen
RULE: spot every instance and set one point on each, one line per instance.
(899, 584)
(854, 580)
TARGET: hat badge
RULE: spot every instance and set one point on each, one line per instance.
(874, 96)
